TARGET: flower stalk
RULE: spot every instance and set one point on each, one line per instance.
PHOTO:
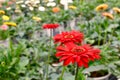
(48, 57)
(76, 75)
(70, 52)
(61, 76)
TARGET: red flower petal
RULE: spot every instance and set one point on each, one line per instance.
(58, 54)
(72, 36)
(67, 61)
(50, 26)
(63, 58)
(80, 63)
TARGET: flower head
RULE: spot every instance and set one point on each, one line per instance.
(64, 2)
(56, 9)
(108, 15)
(8, 8)
(50, 26)
(41, 8)
(4, 27)
(18, 10)
(36, 18)
(72, 53)
(31, 8)
(5, 18)
(10, 24)
(72, 36)
(19, 2)
(2, 12)
(101, 7)
(50, 0)
(73, 7)
(52, 4)
(116, 9)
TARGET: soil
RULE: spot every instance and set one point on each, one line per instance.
(99, 73)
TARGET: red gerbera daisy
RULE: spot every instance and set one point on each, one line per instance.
(72, 53)
(72, 36)
(50, 26)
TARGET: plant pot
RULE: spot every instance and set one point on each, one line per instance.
(101, 71)
(99, 75)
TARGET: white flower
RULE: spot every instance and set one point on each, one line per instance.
(41, 8)
(66, 1)
(51, 4)
(9, 8)
(26, 2)
(23, 5)
(19, 2)
(31, 8)
(70, 1)
(50, 0)
(18, 11)
(36, 2)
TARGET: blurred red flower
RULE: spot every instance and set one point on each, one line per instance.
(72, 53)
(50, 26)
(72, 36)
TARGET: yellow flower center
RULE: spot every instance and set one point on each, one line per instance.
(69, 36)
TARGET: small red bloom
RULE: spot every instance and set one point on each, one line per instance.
(72, 53)
(50, 26)
(72, 36)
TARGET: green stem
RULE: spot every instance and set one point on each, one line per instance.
(109, 42)
(61, 76)
(76, 75)
(112, 35)
(10, 45)
(99, 37)
(105, 33)
(105, 37)
(48, 57)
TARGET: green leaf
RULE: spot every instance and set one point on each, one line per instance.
(23, 61)
(68, 76)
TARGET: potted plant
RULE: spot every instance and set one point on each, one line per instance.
(97, 73)
(102, 69)
(70, 51)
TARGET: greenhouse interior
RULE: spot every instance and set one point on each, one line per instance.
(59, 39)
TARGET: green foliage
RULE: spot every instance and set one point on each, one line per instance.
(25, 57)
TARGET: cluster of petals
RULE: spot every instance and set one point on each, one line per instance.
(50, 26)
(116, 9)
(10, 24)
(72, 36)
(56, 9)
(108, 15)
(101, 7)
(71, 49)
(75, 54)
